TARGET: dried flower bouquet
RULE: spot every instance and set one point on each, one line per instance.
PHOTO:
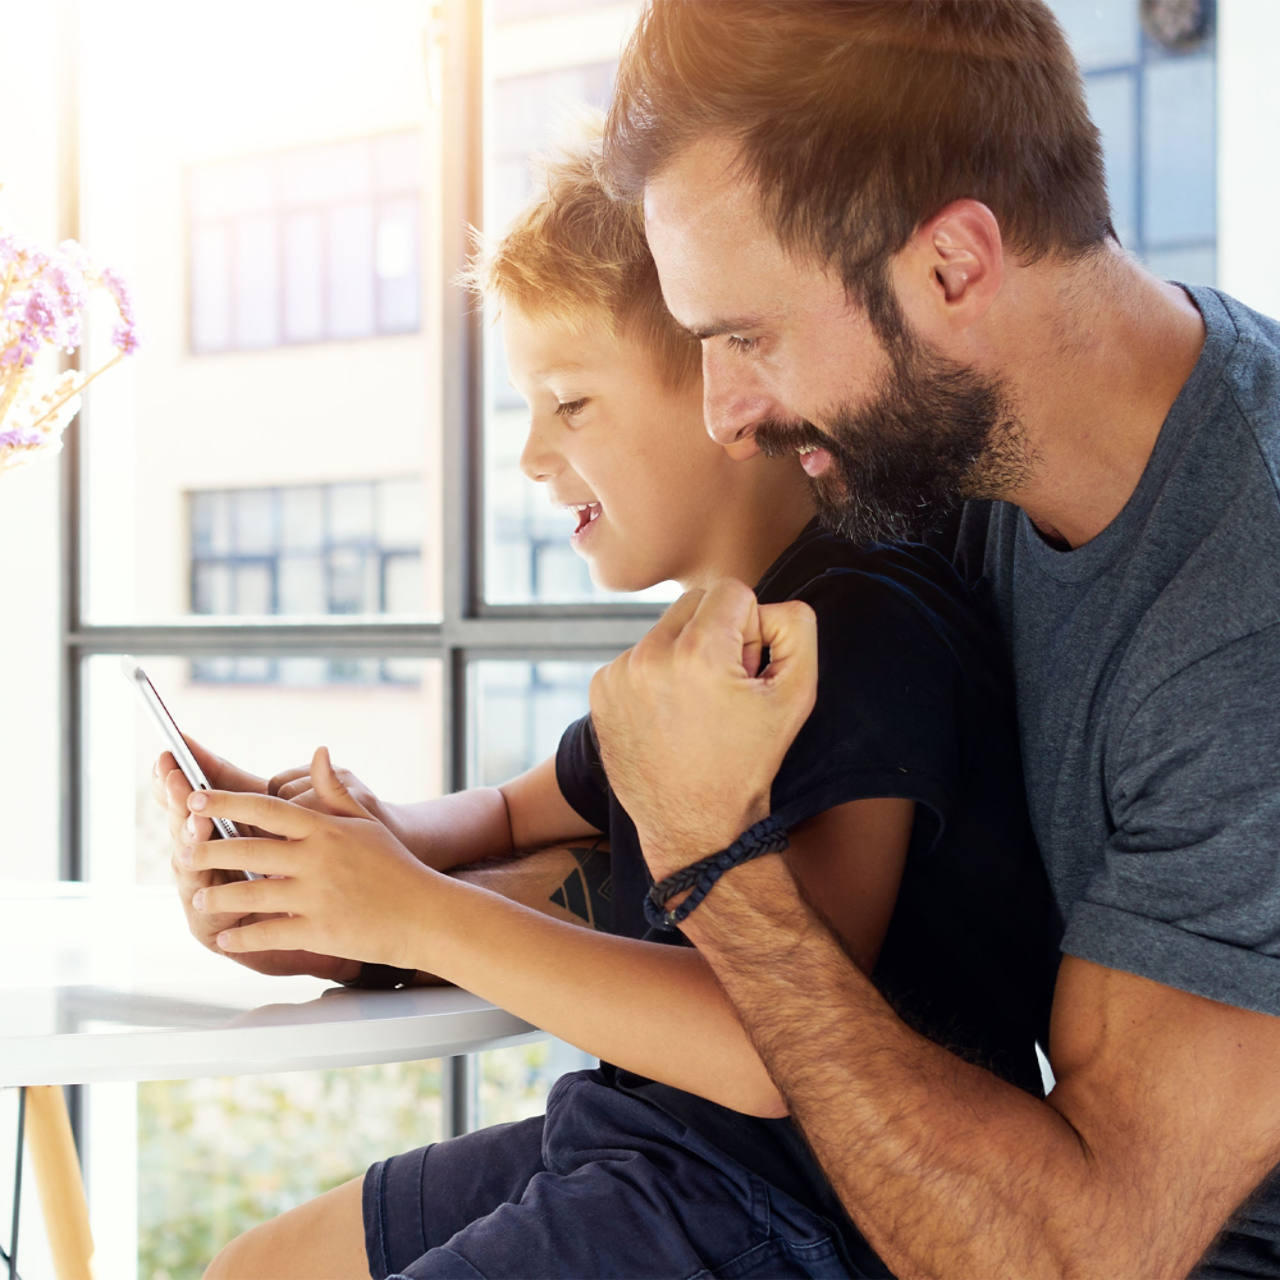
(43, 296)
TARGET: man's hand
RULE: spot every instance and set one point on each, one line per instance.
(338, 882)
(171, 790)
(692, 730)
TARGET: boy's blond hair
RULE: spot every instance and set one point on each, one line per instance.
(576, 254)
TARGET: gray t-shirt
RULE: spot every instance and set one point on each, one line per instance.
(1147, 665)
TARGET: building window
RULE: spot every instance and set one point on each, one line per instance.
(1154, 102)
(313, 244)
(307, 552)
(519, 712)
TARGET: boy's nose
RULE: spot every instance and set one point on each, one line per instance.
(539, 459)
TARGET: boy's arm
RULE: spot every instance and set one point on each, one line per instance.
(466, 827)
(653, 1009)
(658, 1010)
(567, 881)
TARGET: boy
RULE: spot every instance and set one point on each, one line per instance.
(674, 1157)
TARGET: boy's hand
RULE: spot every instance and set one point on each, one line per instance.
(298, 786)
(170, 789)
(691, 730)
(339, 882)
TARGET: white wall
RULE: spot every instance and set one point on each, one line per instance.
(1248, 152)
(29, 525)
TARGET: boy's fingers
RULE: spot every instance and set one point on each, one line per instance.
(193, 829)
(265, 812)
(331, 789)
(222, 773)
(308, 799)
(281, 780)
(246, 897)
(177, 788)
(165, 765)
(267, 857)
(183, 824)
(285, 933)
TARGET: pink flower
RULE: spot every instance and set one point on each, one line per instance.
(43, 297)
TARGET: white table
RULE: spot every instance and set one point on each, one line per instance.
(106, 984)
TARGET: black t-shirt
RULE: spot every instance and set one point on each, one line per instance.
(914, 700)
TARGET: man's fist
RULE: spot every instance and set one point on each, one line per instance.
(692, 729)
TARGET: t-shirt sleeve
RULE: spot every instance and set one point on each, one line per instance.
(580, 775)
(1189, 891)
(885, 719)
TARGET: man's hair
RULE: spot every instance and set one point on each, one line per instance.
(578, 255)
(858, 120)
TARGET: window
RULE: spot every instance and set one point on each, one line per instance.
(306, 245)
(1153, 99)
(520, 710)
(307, 551)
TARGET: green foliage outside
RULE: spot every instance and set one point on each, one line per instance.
(218, 1156)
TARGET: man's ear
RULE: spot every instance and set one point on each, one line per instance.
(954, 265)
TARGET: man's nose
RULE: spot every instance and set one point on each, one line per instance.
(540, 460)
(732, 403)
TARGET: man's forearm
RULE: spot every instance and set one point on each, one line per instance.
(569, 881)
(946, 1169)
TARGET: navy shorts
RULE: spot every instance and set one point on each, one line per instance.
(603, 1185)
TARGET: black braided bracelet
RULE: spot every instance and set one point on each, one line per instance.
(767, 836)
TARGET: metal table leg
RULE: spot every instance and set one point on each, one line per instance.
(12, 1256)
(459, 1089)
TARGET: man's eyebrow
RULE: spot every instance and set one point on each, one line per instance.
(717, 328)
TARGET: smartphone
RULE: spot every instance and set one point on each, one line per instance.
(223, 828)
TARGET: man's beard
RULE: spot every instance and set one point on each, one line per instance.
(935, 434)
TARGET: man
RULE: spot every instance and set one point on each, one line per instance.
(887, 223)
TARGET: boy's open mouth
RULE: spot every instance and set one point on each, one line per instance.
(586, 513)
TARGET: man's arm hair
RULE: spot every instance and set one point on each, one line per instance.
(1164, 1118)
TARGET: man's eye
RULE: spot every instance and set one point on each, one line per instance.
(737, 343)
(571, 408)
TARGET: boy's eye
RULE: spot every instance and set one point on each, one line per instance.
(570, 408)
(737, 343)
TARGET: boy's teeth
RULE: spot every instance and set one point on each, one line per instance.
(586, 513)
